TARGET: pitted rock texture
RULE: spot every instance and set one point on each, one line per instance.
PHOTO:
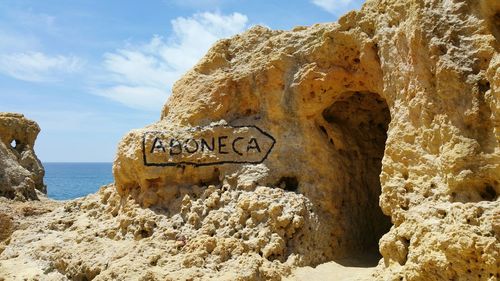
(396, 105)
(386, 128)
(208, 233)
(21, 173)
(15, 214)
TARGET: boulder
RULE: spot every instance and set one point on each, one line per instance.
(21, 172)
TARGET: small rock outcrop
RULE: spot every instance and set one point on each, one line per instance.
(21, 172)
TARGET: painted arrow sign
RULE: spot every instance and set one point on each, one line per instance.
(210, 145)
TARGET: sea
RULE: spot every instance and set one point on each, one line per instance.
(72, 180)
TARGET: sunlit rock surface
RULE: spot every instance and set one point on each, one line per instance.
(21, 173)
(385, 130)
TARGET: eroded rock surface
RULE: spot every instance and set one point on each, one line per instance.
(399, 100)
(21, 173)
(208, 233)
(386, 139)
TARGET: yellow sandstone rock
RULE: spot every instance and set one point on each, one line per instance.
(21, 173)
(386, 138)
(401, 97)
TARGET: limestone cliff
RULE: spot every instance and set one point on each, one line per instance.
(399, 100)
(375, 134)
(21, 173)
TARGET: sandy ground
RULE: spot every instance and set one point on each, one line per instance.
(324, 272)
(360, 267)
(331, 271)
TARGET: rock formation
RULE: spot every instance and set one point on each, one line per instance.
(411, 82)
(21, 173)
(379, 133)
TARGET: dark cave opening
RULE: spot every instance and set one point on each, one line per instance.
(357, 124)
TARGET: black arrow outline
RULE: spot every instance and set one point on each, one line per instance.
(205, 164)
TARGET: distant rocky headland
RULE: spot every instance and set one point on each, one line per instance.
(375, 136)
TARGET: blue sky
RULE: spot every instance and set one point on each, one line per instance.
(88, 71)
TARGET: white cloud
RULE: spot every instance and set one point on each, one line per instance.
(338, 7)
(139, 97)
(37, 66)
(142, 76)
(16, 42)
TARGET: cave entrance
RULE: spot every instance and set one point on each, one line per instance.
(357, 123)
